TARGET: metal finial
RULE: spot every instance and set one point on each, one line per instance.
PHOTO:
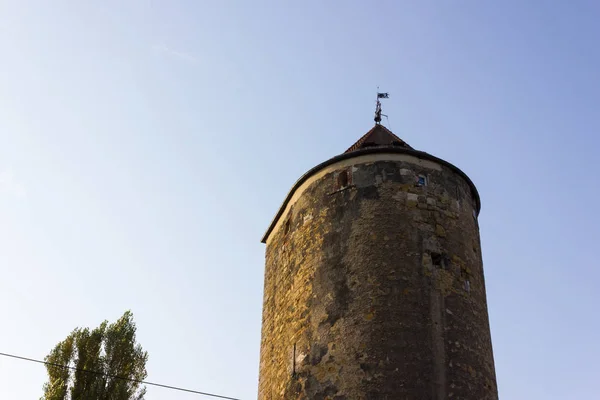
(378, 108)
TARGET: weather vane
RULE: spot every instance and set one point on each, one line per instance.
(378, 108)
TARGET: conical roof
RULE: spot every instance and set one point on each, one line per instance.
(378, 136)
(379, 140)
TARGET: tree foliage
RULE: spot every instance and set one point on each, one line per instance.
(110, 351)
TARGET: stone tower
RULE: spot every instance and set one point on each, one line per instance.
(374, 285)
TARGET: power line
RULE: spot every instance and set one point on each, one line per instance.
(118, 377)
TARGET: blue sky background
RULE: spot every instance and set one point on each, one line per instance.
(146, 145)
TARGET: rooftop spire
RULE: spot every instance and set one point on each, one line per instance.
(378, 108)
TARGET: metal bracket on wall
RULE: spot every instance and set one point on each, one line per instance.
(294, 362)
(341, 190)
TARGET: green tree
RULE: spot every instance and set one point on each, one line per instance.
(108, 350)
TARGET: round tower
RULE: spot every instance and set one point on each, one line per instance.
(374, 284)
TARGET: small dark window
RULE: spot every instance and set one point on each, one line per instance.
(436, 259)
(421, 180)
(464, 274)
(440, 261)
(286, 227)
(343, 179)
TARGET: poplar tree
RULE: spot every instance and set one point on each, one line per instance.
(106, 364)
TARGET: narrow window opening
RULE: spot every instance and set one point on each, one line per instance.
(440, 261)
(286, 227)
(466, 279)
(343, 179)
(421, 180)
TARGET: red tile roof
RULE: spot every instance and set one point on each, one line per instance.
(378, 136)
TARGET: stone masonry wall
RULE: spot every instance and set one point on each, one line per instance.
(374, 289)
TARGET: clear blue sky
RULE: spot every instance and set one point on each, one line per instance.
(146, 145)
